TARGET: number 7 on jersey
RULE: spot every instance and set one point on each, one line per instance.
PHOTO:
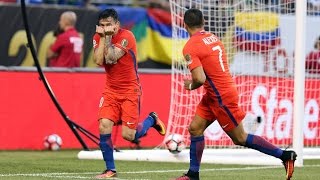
(218, 48)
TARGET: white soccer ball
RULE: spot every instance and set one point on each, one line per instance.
(52, 142)
(175, 143)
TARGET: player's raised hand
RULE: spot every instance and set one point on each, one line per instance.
(100, 31)
(188, 84)
(109, 30)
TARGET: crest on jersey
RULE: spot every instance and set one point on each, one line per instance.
(124, 43)
(94, 43)
(188, 58)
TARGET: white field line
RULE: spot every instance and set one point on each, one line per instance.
(71, 175)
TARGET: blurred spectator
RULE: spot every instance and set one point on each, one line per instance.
(288, 6)
(8, 1)
(79, 3)
(315, 3)
(313, 59)
(88, 4)
(313, 7)
(67, 49)
(163, 4)
(64, 2)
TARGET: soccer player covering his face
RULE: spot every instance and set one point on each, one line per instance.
(115, 50)
(207, 61)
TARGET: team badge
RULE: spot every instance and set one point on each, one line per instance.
(124, 43)
(94, 43)
(188, 58)
(101, 102)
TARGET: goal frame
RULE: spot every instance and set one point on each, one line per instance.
(299, 80)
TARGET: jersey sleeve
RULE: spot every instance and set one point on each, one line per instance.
(191, 57)
(126, 42)
(96, 40)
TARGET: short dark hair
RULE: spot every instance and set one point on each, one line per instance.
(193, 18)
(108, 13)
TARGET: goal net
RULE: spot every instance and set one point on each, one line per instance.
(259, 37)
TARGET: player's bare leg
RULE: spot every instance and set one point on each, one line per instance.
(106, 146)
(196, 129)
(128, 133)
(240, 137)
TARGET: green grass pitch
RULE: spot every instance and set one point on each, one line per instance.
(40, 165)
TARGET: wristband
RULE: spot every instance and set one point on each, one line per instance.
(190, 86)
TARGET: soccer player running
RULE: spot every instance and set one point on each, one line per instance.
(115, 50)
(207, 61)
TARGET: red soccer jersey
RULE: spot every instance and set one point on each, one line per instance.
(122, 77)
(68, 46)
(206, 50)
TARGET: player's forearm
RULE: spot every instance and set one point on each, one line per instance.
(195, 84)
(51, 54)
(112, 54)
(99, 52)
(198, 78)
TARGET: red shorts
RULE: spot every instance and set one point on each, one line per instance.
(117, 108)
(228, 115)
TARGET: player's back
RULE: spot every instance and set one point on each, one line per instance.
(68, 46)
(212, 55)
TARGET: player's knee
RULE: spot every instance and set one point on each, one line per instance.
(105, 126)
(194, 131)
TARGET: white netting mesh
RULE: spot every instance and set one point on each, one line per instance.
(259, 38)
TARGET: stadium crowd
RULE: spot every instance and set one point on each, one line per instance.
(284, 6)
(96, 3)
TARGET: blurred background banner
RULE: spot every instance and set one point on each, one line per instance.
(42, 22)
(29, 115)
(157, 42)
(263, 36)
(151, 27)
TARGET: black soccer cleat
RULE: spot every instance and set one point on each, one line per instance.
(288, 158)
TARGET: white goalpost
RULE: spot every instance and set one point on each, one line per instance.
(299, 81)
(266, 45)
